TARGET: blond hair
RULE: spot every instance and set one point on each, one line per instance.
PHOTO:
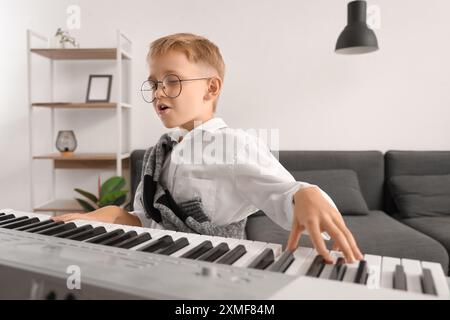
(196, 48)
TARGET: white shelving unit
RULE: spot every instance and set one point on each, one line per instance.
(117, 160)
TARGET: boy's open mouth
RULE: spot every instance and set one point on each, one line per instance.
(162, 107)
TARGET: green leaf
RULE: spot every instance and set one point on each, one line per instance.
(88, 195)
(86, 205)
(112, 184)
(108, 199)
(120, 200)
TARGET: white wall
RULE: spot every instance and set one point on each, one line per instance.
(281, 73)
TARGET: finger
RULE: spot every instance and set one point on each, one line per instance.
(316, 237)
(335, 246)
(341, 225)
(294, 236)
(341, 240)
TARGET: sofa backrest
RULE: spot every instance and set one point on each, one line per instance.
(398, 163)
(368, 165)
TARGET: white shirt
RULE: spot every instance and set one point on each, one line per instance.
(251, 178)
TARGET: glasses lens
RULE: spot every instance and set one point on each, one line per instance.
(172, 86)
(148, 91)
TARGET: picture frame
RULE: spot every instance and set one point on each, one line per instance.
(99, 88)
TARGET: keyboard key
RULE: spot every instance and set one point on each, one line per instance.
(34, 225)
(387, 271)
(197, 251)
(174, 247)
(57, 229)
(316, 267)
(361, 273)
(439, 277)
(283, 262)
(71, 232)
(134, 241)
(233, 255)
(45, 226)
(339, 269)
(158, 244)
(215, 252)
(428, 286)
(119, 238)
(8, 221)
(7, 217)
(105, 236)
(17, 224)
(88, 234)
(263, 260)
(400, 278)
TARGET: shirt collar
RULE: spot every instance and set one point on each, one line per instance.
(211, 126)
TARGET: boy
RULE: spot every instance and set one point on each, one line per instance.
(187, 73)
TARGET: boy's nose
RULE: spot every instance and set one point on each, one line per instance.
(159, 92)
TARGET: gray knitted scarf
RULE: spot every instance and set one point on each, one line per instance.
(187, 216)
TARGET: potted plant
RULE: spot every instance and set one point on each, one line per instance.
(109, 193)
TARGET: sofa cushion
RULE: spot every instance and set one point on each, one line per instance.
(341, 185)
(421, 196)
(376, 233)
(435, 227)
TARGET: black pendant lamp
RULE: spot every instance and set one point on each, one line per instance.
(357, 37)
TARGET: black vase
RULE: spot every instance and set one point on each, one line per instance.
(66, 143)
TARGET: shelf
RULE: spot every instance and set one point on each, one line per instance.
(79, 105)
(60, 205)
(80, 53)
(85, 160)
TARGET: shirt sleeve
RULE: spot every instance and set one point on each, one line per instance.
(140, 212)
(261, 179)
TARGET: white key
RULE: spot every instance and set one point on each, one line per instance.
(440, 280)
(387, 271)
(300, 255)
(350, 272)
(413, 272)
(374, 271)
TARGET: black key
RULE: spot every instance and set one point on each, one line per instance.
(2, 213)
(105, 236)
(7, 217)
(72, 232)
(45, 226)
(132, 242)
(316, 267)
(180, 243)
(232, 256)
(215, 252)
(34, 225)
(361, 273)
(400, 278)
(339, 269)
(117, 239)
(12, 220)
(283, 262)
(57, 229)
(13, 225)
(263, 260)
(88, 234)
(428, 286)
(198, 250)
(160, 243)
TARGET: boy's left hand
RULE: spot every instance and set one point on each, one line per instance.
(313, 213)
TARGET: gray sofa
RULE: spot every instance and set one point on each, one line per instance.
(381, 230)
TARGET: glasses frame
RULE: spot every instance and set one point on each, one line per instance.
(157, 82)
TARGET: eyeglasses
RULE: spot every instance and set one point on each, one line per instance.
(171, 86)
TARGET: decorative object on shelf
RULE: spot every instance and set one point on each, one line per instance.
(109, 193)
(357, 37)
(99, 88)
(62, 37)
(66, 143)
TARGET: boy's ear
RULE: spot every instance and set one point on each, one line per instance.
(214, 87)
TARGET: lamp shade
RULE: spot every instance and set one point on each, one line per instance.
(356, 37)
